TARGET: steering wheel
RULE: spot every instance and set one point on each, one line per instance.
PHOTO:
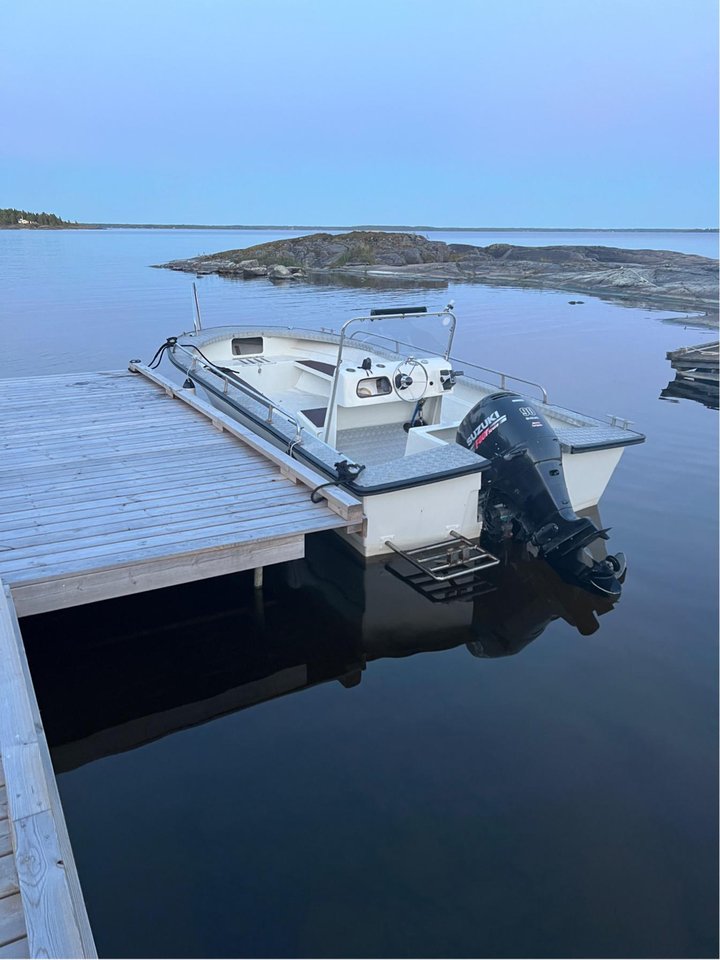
(410, 380)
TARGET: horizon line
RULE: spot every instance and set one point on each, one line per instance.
(387, 226)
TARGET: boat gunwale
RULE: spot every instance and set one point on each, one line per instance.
(218, 334)
(555, 411)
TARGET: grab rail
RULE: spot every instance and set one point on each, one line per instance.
(250, 391)
(504, 377)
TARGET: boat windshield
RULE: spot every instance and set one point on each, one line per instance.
(404, 330)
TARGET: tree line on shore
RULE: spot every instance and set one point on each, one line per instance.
(12, 217)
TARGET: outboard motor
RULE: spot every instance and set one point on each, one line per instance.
(524, 494)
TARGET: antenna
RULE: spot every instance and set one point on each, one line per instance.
(197, 319)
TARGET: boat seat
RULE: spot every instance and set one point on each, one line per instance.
(317, 366)
(316, 415)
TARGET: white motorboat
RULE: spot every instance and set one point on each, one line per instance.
(435, 451)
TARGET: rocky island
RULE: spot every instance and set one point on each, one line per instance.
(660, 278)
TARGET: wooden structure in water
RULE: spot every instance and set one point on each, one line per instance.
(111, 484)
(696, 374)
(698, 362)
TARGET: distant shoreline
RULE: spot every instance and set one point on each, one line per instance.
(384, 227)
(393, 227)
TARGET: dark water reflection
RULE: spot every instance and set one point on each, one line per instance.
(558, 802)
(146, 666)
(389, 813)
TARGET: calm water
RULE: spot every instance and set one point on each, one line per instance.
(532, 776)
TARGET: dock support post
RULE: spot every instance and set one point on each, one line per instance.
(258, 578)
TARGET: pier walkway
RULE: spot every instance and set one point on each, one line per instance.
(110, 484)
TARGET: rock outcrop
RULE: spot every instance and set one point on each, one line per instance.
(653, 277)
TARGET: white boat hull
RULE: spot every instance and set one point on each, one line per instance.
(416, 484)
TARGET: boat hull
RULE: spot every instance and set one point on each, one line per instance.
(417, 515)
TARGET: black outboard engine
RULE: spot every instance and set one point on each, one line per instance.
(524, 495)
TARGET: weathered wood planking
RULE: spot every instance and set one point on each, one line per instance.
(18, 948)
(109, 485)
(12, 923)
(42, 909)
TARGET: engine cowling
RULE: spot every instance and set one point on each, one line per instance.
(524, 492)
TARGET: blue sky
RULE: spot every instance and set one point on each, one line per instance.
(567, 113)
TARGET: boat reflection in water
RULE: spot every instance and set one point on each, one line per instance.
(117, 675)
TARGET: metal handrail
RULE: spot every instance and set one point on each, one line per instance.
(504, 377)
(260, 398)
(271, 406)
(447, 312)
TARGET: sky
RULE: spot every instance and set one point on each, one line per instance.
(522, 113)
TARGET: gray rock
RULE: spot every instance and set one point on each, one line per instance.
(652, 277)
(279, 272)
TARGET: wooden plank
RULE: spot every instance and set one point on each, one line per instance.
(71, 590)
(230, 519)
(27, 789)
(147, 463)
(50, 918)
(134, 423)
(17, 724)
(8, 875)
(133, 515)
(54, 908)
(114, 447)
(5, 837)
(62, 477)
(12, 919)
(138, 419)
(132, 432)
(339, 500)
(186, 526)
(18, 948)
(177, 541)
(23, 416)
(39, 509)
(87, 375)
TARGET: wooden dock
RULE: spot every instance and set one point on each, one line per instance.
(42, 911)
(110, 484)
(697, 363)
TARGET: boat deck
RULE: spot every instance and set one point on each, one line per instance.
(373, 444)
